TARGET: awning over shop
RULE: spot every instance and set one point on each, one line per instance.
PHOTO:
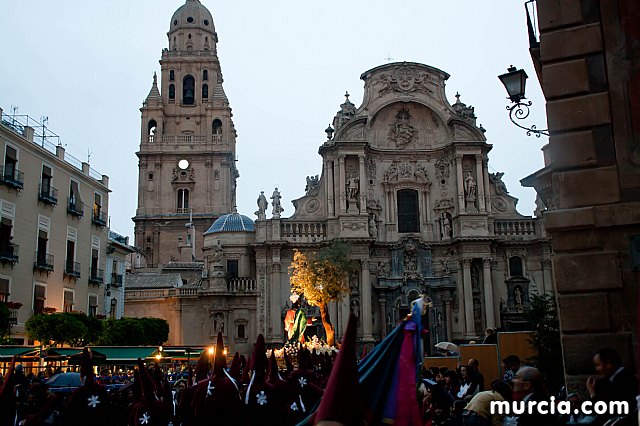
(124, 354)
(7, 352)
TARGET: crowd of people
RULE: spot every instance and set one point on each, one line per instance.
(320, 389)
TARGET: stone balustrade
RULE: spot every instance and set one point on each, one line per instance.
(241, 285)
(525, 228)
(303, 232)
(185, 139)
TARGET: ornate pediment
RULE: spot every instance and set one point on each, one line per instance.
(406, 170)
(405, 79)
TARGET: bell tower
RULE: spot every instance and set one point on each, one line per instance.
(187, 171)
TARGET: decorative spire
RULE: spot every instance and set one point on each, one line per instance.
(154, 93)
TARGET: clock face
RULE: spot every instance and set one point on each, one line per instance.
(183, 164)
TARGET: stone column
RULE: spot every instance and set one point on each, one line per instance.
(337, 206)
(383, 316)
(363, 186)
(460, 178)
(365, 302)
(328, 169)
(342, 182)
(487, 187)
(490, 313)
(448, 314)
(547, 276)
(276, 308)
(469, 328)
(480, 183)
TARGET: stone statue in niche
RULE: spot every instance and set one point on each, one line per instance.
(353, 187)
(445, 265)
(373, 226)
(216, 257)
(384, 268)
(470, 187)
(355, 308)
(262, 206)
(218, 323)
(277, 208)
(475, 279)
(313, 185)
(445, 223)
(517, 298)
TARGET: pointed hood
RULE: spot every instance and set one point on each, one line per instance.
(86, 366)
(259, 359)
(288, 363)
(245, 373)
(202, 367)
(147, 384)
(342, 402)
(234, 370)
(220, 358)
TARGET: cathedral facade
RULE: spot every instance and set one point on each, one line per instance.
(404, 182)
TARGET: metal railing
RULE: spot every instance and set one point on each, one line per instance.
(99, 218)
(72, 269)
(185, 139)
(44, 261)
(116, 280)
(74, 207)
(12, 177)
(182, 211)
(96, 275)
(47, 194)
(9, 252)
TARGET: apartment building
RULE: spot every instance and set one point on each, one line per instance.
(53, 225)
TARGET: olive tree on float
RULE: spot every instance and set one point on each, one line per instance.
(322, 277)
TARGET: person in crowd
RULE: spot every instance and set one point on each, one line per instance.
(478, 377)
(614, 382)
(511, 367)
(478, 410)
(468, 386)
(528, 385)
(490, 337)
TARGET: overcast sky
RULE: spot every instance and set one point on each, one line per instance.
(286, 64)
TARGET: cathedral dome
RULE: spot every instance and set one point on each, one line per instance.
(232, 222)
(192, 14)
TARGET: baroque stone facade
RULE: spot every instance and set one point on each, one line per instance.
(405, 183)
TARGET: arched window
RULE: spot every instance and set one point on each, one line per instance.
(216, 127)
(151, 129)
(515, 266)
(172, 75)
(188, 90)
(408, 211)
(205, 75)
(241, 331)
(183, 200)
(205, 91)
(172, 91)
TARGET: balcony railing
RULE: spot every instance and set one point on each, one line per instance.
(303, 232)
(99, 218)
(47, 194)
(9, 253)
(13, 316)
(12, 177)
(116, 280)
(182, 211)
(96, 276)
(44, 262)
(521, 229)
(241, 284)
(72, 269)
(74, 207)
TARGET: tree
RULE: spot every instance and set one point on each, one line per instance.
(322, 278)
(156, 330)
(135, 332)
(60, 328)
(545, 339)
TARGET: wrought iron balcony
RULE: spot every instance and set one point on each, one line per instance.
(12, 177)
(74, 207)
(72, 269)
(13, 316)
(116, 280)
(9, 253)
(96, 276)
(48, 194)
(44, 262)
(99, 218)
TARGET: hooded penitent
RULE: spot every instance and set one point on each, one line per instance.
(261, 398)
(342, 400)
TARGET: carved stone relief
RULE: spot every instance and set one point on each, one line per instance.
(313, 186)
(404, 79)
(402, 133)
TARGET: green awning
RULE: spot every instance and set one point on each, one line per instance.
(63, 351)
(116, 354)
(6, 352)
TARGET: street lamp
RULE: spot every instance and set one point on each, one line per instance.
(515, 80)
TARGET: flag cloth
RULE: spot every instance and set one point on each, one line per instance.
(299, 326)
